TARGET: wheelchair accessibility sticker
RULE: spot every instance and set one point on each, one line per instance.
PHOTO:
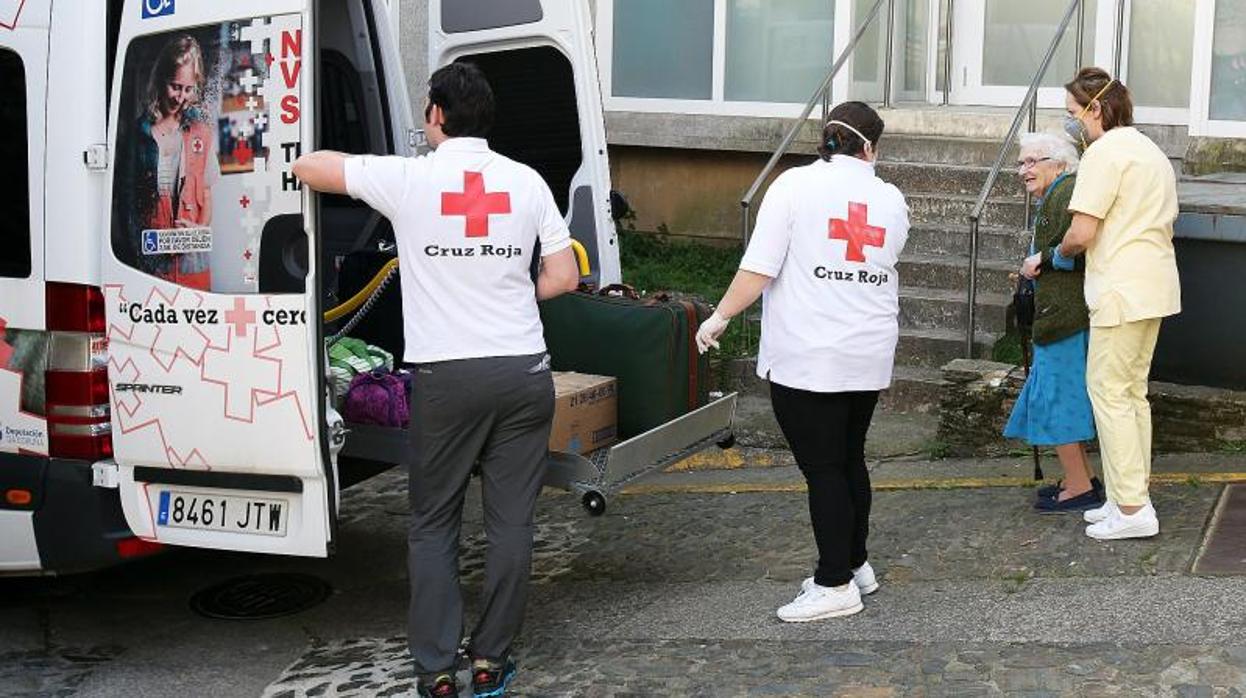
(157, 8)
(177, 240)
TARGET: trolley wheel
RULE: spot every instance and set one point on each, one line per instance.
(727, 442)
(594, 503)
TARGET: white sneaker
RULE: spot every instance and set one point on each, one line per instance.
(1094, 516)
(1141, 524)
(820, 602)
(867, 583)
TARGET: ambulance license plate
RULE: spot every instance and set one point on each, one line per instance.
(227, 513)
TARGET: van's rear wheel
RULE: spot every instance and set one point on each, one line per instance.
(594, 503)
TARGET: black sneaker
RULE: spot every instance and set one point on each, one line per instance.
(489, 679)
(1090, 499)
(438, 686)
(1051, 491)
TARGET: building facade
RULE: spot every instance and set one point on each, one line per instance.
(699, 94)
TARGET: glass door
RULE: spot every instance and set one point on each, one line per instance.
(1158, 48)
(997, 45)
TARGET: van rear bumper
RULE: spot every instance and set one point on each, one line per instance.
(76, 525)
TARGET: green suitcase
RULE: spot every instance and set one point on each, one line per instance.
(647, 344)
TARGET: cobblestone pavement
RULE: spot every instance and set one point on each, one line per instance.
(673, 595)
(601, 669)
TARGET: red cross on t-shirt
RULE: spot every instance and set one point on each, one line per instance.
(475, 204)
(857, 232)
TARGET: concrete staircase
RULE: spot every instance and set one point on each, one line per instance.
(941, 178)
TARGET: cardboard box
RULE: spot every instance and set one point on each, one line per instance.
(585, 412)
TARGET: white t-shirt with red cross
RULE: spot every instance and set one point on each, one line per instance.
(467, 221)
(829, 234)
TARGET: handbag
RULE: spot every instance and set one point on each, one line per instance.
(1023, 304)
(378, 397)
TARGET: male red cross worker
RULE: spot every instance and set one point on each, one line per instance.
(466, 221)
(823, 256)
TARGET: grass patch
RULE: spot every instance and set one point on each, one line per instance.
(1233, 446)
(653, 263)
(937, 450)
(1007, 348)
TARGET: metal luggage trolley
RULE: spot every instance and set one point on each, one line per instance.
(594, 476)
(600, 474)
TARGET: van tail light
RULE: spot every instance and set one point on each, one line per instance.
(132, 547)
(79, 420)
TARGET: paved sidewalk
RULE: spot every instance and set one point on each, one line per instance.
(672, 593)
(675, 596)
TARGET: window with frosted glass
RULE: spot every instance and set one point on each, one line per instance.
(778, 50)
(910, 60)
(1228, 62)
(1161, 49)
(1016, 38)
(663, 49)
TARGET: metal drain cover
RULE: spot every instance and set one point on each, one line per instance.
(260, 596)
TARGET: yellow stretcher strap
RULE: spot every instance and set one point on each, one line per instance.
(352, 303)
(581, 257)
(357, 300)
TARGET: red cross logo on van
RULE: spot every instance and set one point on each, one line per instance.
(857, 232)
(240, 317)
(475, 204)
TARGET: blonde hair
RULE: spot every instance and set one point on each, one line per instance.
(179, 52)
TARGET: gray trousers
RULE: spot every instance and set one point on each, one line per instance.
(497, 411)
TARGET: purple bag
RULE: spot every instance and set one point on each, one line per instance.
(379, 398)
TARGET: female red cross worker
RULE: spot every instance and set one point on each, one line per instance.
(823, 256)
(466, 221)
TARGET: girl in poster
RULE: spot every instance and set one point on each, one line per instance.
(176, 162)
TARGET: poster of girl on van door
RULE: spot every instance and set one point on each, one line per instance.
(185, 93)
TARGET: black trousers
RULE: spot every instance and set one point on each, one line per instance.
(826, 432)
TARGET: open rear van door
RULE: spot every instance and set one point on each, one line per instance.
(218, 417)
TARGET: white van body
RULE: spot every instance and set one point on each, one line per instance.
(163, 374)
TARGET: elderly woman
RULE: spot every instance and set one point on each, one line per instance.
(1054, 408)
(1123, 208)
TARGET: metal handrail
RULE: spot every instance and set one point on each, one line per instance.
(822, 94)
(947, 53)
(1030, 104)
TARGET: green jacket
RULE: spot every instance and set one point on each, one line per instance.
(1059, 300)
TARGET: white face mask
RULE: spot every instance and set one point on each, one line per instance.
(870, 155)
(1075, 127)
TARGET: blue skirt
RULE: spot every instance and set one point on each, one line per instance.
(1054, 407)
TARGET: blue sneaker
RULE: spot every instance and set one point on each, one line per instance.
(489, 679)
(1090, 499)
(438, 686)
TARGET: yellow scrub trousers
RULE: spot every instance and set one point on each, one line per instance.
(1118, 364)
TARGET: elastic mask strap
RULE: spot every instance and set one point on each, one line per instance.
(1093, 99)
(850, 127)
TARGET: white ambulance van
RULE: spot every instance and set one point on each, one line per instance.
(163, 275)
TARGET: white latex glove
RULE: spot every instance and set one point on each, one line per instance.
(709, 332)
